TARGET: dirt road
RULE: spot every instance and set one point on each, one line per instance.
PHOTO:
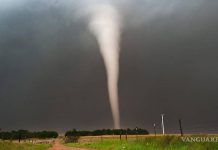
(58, 146)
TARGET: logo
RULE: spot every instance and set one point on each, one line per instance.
(199, 139)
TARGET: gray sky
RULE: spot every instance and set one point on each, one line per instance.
(52, 75)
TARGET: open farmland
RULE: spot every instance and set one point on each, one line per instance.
(171, 142)
(6, 145)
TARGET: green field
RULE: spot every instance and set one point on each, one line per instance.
(16, 146)
(148, 143)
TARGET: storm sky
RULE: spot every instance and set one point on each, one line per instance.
(52, 75)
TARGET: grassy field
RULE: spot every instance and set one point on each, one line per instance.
(23, 146)
(148, 143)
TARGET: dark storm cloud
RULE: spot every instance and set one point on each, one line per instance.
(52, 75)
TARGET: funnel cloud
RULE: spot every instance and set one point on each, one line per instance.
(105, 25)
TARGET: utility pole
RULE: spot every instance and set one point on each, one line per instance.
(180, 127)
(162, 123)
(154, 129)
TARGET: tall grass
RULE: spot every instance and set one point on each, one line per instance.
(148, 143)
(24, 146)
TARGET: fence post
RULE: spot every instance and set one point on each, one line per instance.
(180, 127)
(126, 134)
(120, 134)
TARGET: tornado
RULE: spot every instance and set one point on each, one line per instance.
(105, 24)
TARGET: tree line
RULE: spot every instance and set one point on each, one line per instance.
(25, 134)
(128, 131)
